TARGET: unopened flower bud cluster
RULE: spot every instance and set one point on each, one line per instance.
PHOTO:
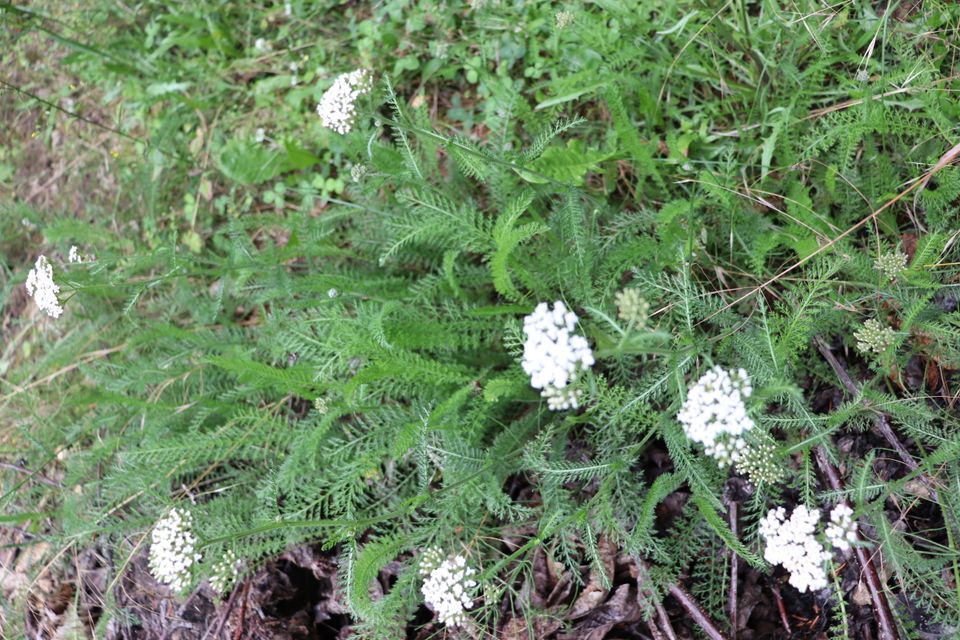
(173, 549)
(447, 585)
(225, 571)
(714, 413)
(562, 399)
(338, 105)
(891, 264)
(874, 337)
(632, 308)
(759, 463)
(553, 354)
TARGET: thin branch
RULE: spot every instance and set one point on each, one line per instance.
(664, 620)
(881, 423)
(35, 475)
(734, 570)
(781, 608)
(696, 613)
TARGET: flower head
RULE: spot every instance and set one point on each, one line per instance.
(874, 337)
(173, 549)
(759, 463)
(357, 172)
(891, 264)
(792, 544)
(44, 290)
(564, 19)
(715, 415)
(447, 585)
(842, 529)
(632, 308)
(553, 354)
(225, 571)
(74, 256)
(562, 399)
(337, 106)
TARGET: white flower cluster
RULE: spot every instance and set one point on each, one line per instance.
(715, 415)
(842, 529)
(74, 256)
(44, 290)
(225, 571)
(172, 549)
(446, 586)
(793, 545)
(338, 104)
(553, 354)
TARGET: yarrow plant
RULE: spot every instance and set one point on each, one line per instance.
(338, 105)
(553, 354)
(715, 415)
(842, 530)
(173, 549)
(792, 544)
(44, 290)
(447, 585)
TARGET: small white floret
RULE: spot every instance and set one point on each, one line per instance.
(842, 530)
(75, 257)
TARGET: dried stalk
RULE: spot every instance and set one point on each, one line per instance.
(881, 423)
(696, 613)
(33, 475)
(781, 608)
(734, 570)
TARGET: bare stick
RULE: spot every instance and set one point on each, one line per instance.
(696, 613)
(881, 422)
(35, 475)
(781, 609)
(734, 570)
(665, 620)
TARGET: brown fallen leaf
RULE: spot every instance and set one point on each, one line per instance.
(620, 608)
(595, 592)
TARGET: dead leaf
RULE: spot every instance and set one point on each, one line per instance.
(595, 592)
(621, 607)
(861, 595)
